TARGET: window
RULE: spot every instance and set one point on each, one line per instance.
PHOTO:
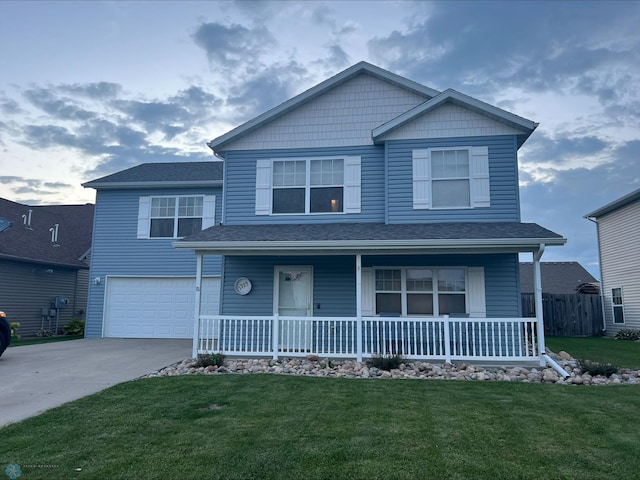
(174, 216)
(451, 178)
(618, 305)
(302, 186)
(420, 291)
(308, 186)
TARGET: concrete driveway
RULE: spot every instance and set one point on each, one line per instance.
(34, 378)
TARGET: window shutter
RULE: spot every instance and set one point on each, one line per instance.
(475, 291)
(144, 213)
(263, 187)
(421, 179)
(352, 188)
(367, 291)
(480, 188)
(209, 211)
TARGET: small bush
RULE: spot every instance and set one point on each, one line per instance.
(598, 368)
(45, 333)
(14, 330)
(211, 359)
(628, 334)
(387, 362)
(74, 327)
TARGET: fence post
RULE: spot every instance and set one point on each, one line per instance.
(447, 340)
(276, 335)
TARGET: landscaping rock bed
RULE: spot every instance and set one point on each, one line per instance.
(313, 366)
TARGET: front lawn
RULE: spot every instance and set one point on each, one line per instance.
(287, 427)
(17, 342)
(623, 353)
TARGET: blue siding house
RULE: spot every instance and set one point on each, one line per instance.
(369, 215)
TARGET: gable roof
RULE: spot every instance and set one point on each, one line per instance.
(169, 174)
(470, 237)
(432, 100)
(32, 242)
(557, 277)
(615, 205)
(452, 96)
(323, 87)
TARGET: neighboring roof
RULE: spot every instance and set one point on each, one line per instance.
(168, 174)
(557, 277)
(33, 242)
(526, 126)
(321, 88)
(616, 204)
(369, 237)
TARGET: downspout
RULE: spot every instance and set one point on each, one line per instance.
(537, 285)
(604, 319)
(196, 320)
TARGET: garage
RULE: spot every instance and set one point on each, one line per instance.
(156, 307)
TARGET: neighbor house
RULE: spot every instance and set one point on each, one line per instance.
(368, 215)
(44, 264)
(564, 278)
(618, 230)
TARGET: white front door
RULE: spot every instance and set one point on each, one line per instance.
(293, 298)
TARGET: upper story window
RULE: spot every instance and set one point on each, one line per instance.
(308, 186)
(174, 216)
(451, 178)
(323, 185)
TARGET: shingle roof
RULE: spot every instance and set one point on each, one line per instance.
(33, 243)
(363, 235)
(557, 277)
(167, 174)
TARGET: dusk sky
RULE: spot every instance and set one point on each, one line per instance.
(91, 88)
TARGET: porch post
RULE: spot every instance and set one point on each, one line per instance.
(537, 285)
(196, 320)
(276, 335)
(359, 307)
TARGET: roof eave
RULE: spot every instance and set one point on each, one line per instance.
(615, 205)
(369, 246)
(147, 185)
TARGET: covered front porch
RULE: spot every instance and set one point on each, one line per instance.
(449, 329)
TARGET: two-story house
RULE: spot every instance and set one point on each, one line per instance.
(368, 215)
(371, 215)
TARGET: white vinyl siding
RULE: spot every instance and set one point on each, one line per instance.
(341, 178)
(456, 177)
(172, 209)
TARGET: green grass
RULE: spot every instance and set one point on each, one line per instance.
(599, 349)
(287, 427)
(36, 340)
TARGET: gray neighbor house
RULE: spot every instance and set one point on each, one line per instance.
(44, 264)
(618, 231)
(368, 215)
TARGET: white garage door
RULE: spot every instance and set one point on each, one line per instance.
(156, 307)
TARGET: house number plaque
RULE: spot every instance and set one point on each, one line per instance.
(242, 286)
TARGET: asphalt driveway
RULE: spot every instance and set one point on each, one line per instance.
(34, 378)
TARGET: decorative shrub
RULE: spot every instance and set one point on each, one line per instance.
(14, 330)
(207, 360)
(386, 362)
(74, 327)
(45, 333)
(597, 368)
(628, 334)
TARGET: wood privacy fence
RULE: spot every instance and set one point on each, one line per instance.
(577, 315)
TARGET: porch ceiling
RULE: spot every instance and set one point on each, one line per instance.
(370, 238)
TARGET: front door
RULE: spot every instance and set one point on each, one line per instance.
(293, 298)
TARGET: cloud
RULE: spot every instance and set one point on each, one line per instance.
(98, 90)
(229, 46)
(31, 186)
(47, 100)
(9, 106)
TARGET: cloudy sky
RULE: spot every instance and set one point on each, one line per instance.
(91, 88)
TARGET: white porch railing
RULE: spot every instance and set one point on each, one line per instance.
(434, 338)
